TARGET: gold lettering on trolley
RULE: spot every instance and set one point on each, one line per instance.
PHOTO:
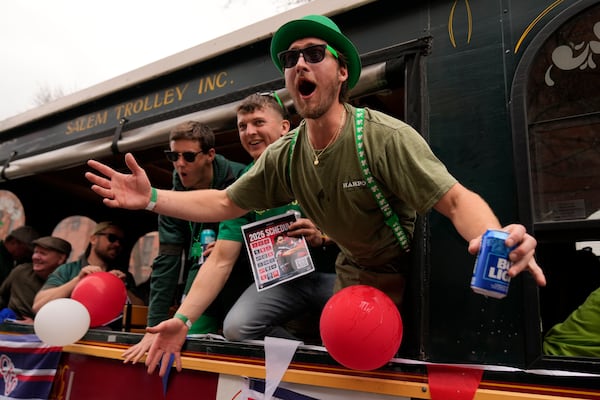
(87, 122)
(210, 83)
(152, 102)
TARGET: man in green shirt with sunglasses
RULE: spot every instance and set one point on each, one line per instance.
(195, 166)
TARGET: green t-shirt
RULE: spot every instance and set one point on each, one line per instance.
(334, 193)
(232, 230)
(579, 334)
(66, 272)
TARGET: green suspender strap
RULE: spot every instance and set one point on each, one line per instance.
(391, 219)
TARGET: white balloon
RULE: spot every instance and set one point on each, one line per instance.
(61, 322)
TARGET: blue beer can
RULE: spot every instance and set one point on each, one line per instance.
(490, 274)
(206, 236)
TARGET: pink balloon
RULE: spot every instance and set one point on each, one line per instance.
(103, 294)
(361, 327)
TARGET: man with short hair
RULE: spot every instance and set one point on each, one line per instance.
(196, 165)
(22, 284)
(16, 249)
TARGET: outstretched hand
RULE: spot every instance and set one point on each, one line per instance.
(522, 257)
(170, 337)
(134, 353)
(130, 191)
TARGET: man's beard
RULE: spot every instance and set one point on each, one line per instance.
(318, 110)
(312, 113)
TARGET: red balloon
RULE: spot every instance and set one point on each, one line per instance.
(103, 294)
(361, 327)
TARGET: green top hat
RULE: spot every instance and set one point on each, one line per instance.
(320, 27)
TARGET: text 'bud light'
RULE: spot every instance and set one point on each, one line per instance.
(490, 274)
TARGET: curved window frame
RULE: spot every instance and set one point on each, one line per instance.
(563, 229)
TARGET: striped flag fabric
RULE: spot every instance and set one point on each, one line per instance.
(27, 367)
(255, 390)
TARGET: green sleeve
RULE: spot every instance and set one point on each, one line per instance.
(577, 336)
(232, 229)
(173, 237)
(63, 274)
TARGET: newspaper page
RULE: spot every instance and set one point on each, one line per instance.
(274, 256)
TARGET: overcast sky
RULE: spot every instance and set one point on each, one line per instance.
(73, 44)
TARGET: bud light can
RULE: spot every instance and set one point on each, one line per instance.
(490, 274)
(206, 236)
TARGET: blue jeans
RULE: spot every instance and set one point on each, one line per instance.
(258, 314)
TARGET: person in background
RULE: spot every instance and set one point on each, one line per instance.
(296, 303)
(101, 255)
(195, 166)
(318, 165)
(579, 334)
(261, 121)
(20, 287)
(16, 249)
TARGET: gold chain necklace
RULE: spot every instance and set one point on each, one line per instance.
(320, 152)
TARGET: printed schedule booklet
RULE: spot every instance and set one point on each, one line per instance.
(274, 256)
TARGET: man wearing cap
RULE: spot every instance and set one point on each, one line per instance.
(25, 280)
(318, 165)
(16, 249)
(104, 248)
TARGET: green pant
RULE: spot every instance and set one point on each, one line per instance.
(206, 323)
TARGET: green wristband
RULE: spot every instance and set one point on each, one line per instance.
(153, 199)
(183, 318)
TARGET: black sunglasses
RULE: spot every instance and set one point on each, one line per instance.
(188, 156)
(111, 237)
(312, 54)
